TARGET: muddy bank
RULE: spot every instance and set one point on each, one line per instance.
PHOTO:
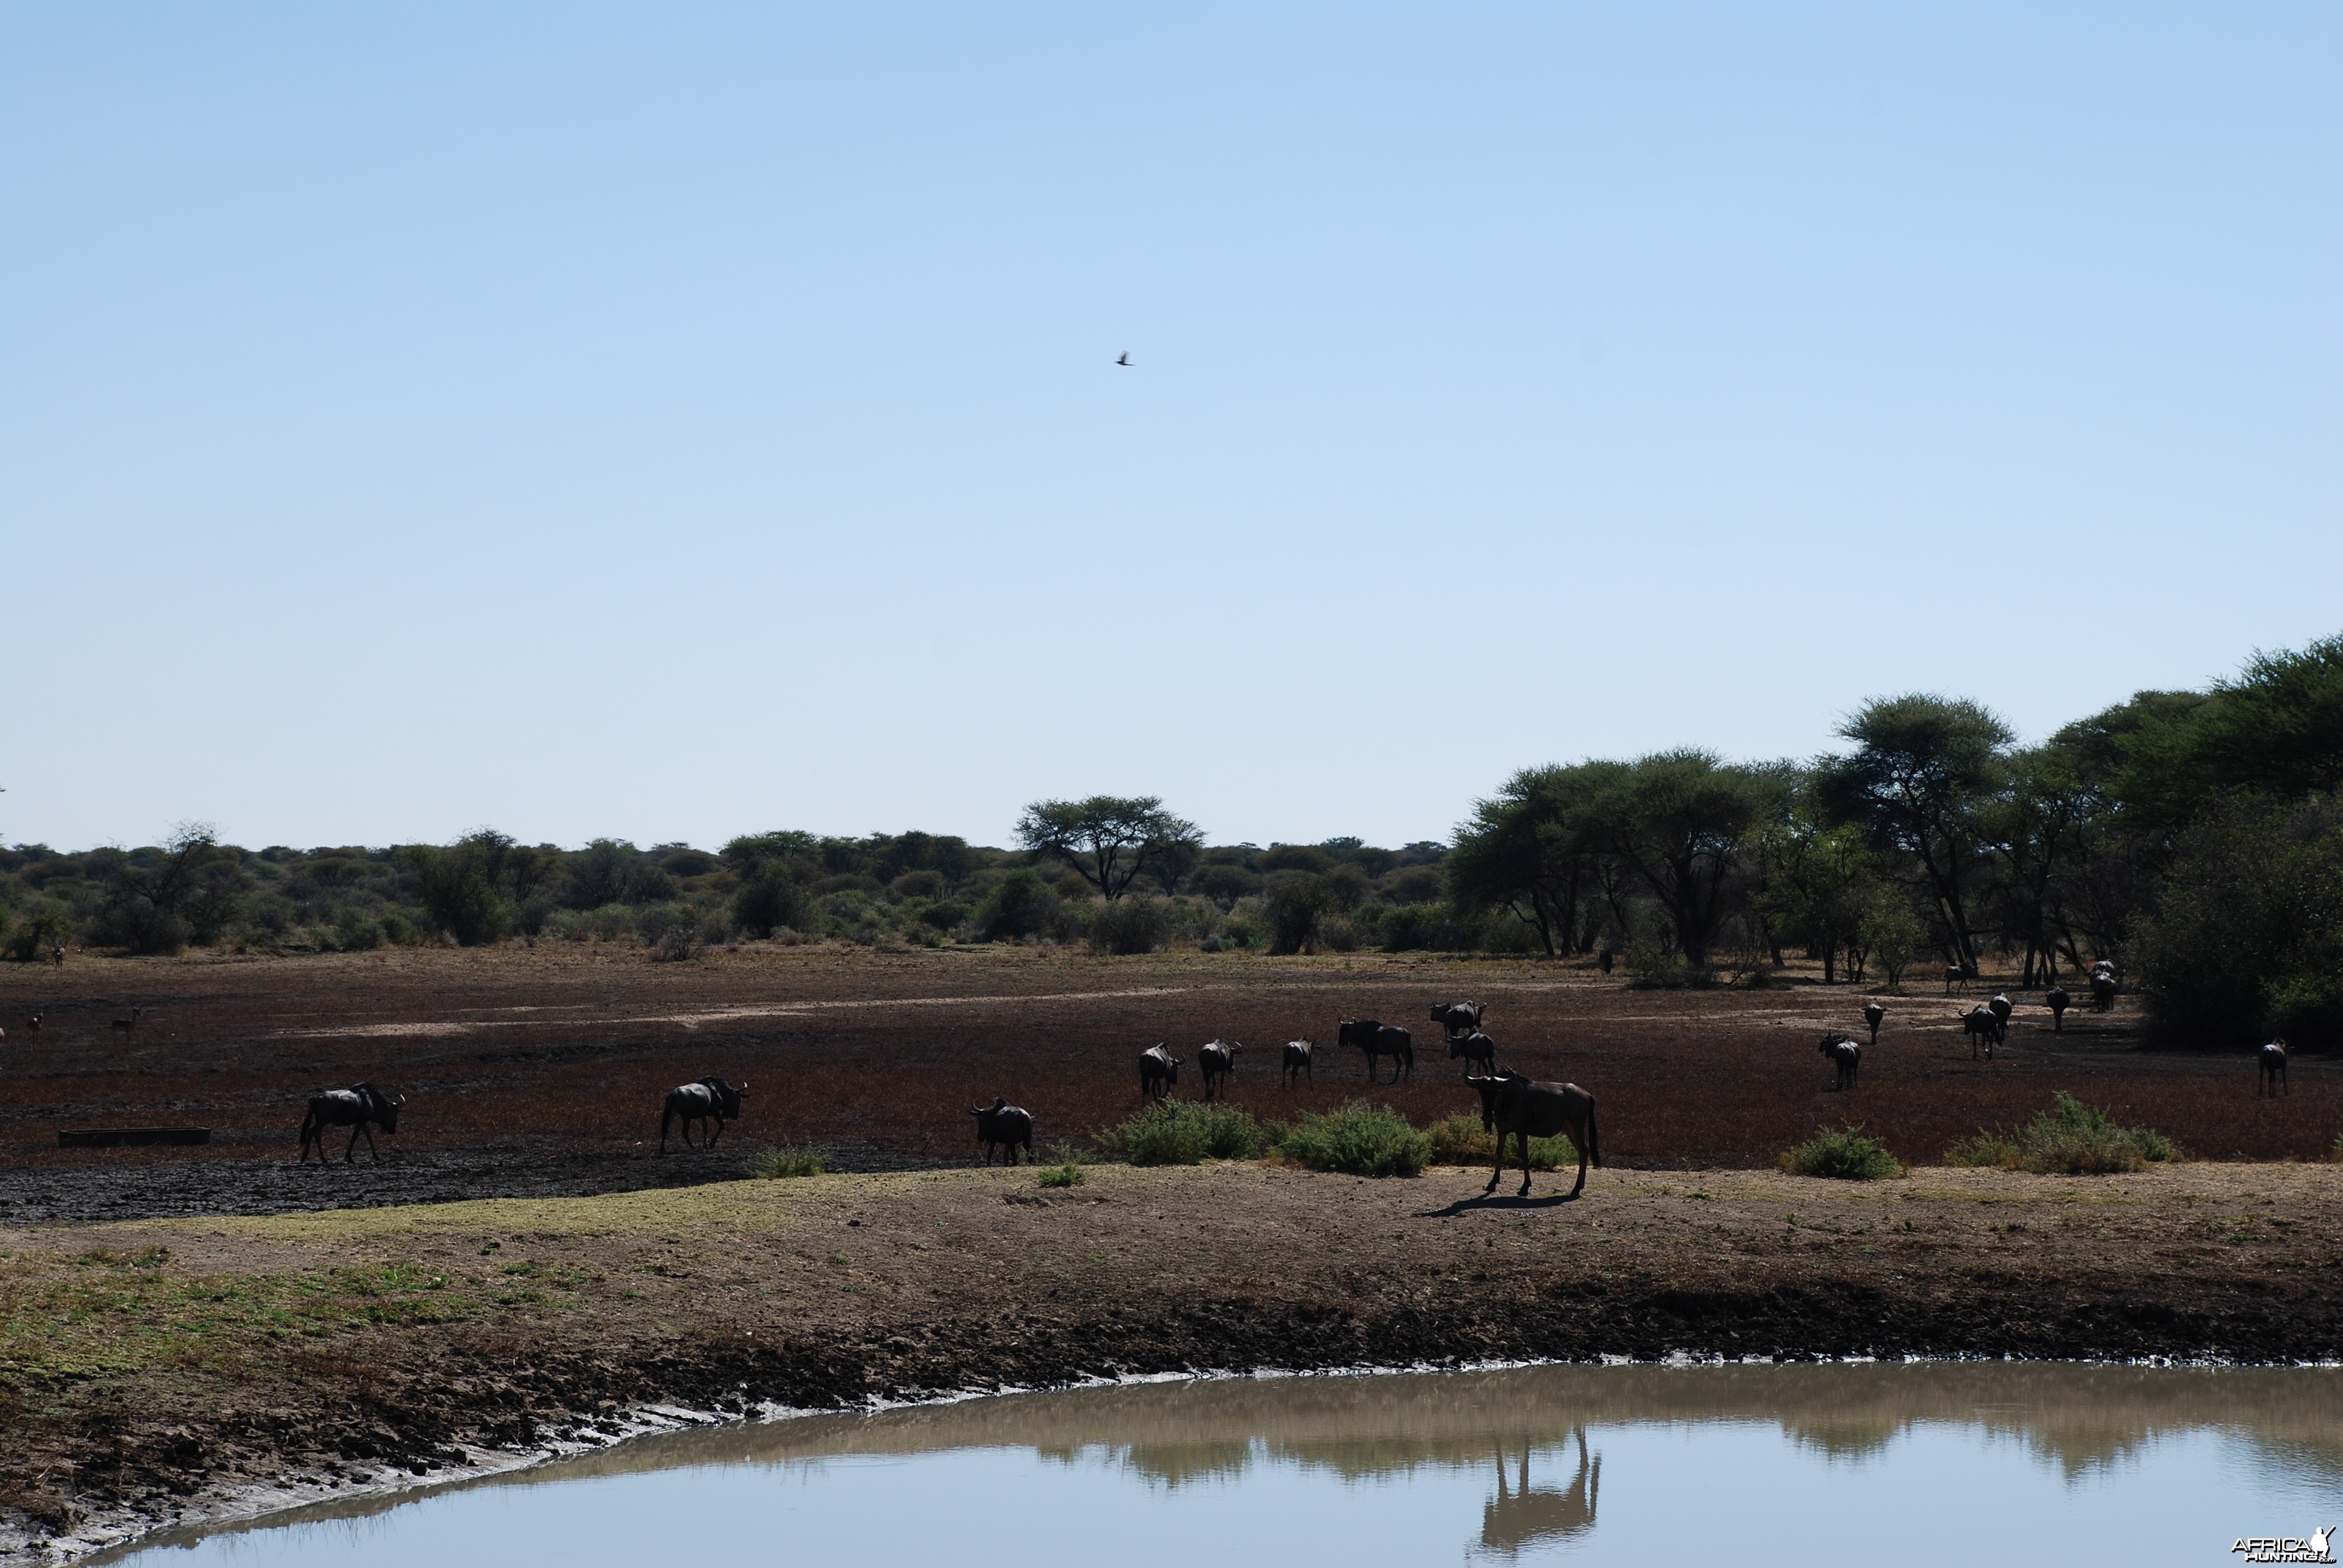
(156, 1367)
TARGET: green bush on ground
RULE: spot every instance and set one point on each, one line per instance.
(788, 1160)
(2071, 1139)
(1184, 1133)
(1063, 1176)
(1842, 1154)
(1460, 1141)
(1359, 1140)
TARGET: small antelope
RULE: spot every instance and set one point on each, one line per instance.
(32, 1024)
(122, 1026)
(2271, 1077)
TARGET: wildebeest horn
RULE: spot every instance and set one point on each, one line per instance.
(400, 1101)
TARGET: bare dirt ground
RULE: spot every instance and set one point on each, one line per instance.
(159, 1371)
(164, 1366)
(539, 1072)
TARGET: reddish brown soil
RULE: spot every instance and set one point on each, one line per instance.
(533, 1072)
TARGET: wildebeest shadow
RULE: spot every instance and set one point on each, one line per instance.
(1496, 1200)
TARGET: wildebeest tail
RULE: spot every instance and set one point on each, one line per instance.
(1593, 1142)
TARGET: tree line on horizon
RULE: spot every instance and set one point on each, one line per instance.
(2193, 837)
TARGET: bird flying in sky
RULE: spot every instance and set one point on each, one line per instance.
(1126, 357)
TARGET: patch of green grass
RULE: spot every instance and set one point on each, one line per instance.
(1842, 1154)
(1359, 1140)
(2071, 1139)
(1186, 1133)
(1462, 1141)
(1068, 1175)
(784, 1160)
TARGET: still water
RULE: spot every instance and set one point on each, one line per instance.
(1745, 1464)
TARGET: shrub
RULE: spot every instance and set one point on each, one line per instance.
(2071, 1139)
(1842, 1154)
(769, 900)
(677, 943)
(1359, 1140)
(1655, 971)
(30, 939)
(1126, 926)
(1414, 928)
(1023, 905)
(1462, 1141)
(353, 933)
(1063, 1176)
(782, 1160)
(1294, 904)
(1185, 1132)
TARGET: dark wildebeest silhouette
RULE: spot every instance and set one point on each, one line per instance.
(1296, 1065)
(1218, 1059)
(1953, 975)
(709, 1099)
(1379, 1040)
(57, 955)
(2270, 1077)
(1603, 961)
(2103, 990)
(1530, 1517)
(2058, 1001)
(2001, 1007)
(1001, 1125)
(32, 1023)
(1979, 1024)
(1159, 1070)
(360, 1108)
(1514, 1105)
(1458, 1017)
(1846, 1055)
(1873, 1015)
(1475, 1048)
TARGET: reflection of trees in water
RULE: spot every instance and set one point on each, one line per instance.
(1540, 1516)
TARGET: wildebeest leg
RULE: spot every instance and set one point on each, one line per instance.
(351, 1153)
(718, 1133)
(1500, 1171)
(1581, 1138)
(371, 1149)
(1524, 1137)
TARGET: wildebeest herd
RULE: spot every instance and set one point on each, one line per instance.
(1512, 1105)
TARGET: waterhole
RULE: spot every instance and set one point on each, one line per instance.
(1918, 1463)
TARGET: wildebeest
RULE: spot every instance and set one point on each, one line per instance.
(709, 1099)
(1458, 1017)
(1979, 1024)
(1475, 1048)
(1953, 975)
(1514, 1105)
(1603, 961)
(2103, 988)
(2058, 1001)
(2001, 1012)
(1296, 1061)
(32, 1023)
(1218, 1059)
(1159, 1070)
(2271, 1075)
(1004, 1125)
(1846, 1055)
(355, 1108)
(57, 955)
(1873, 1015)
(1379, 1040)
(1529, 1516)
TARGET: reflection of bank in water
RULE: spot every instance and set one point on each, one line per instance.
(1530, 1516)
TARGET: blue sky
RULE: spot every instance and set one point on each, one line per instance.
(680, 421)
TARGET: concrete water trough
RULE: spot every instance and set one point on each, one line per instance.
(121, 1137)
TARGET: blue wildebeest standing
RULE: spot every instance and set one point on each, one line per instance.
(1846, 1055)
(1379, 1040)
(1296, 1063)
(1979, 1024)
(1218, 1059)
(2002, 1008)
(2103, 987)
(361, 1109)
(1477, 1050)
(1001, 1125)
(2270, 1076)
(1873, 1015)
(2058, 1001)
(1514, 1105)
(709, 1099)
(1458, 1017)
(1159, 1070)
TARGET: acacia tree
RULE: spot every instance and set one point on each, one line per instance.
(1922, 768)
(1682, 821)
(1110, 839)
(1534, 849)
(1822, 885)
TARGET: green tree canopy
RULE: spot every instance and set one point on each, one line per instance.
(1109, 840)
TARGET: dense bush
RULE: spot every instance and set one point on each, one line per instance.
(1842, 1154)
(2071, 1139)
(1294, 904)
(785, 1160)
(1023, 905)
(769, 898)
(1129, 925)
(1359, 1140)
(1184, 1133)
